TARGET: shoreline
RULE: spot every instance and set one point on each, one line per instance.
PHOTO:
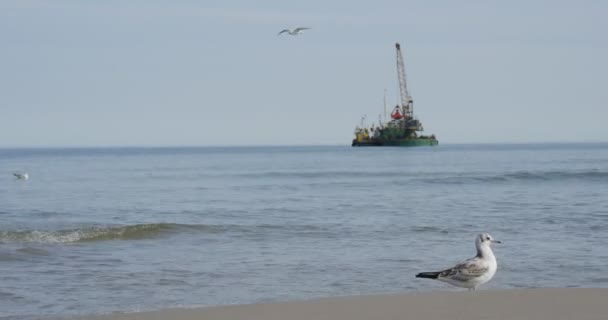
(510, 304)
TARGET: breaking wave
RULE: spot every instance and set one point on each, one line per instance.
(129, 232)
(142, 231)
(539, 176)
(433, 177)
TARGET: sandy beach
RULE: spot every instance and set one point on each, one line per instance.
(550, 304)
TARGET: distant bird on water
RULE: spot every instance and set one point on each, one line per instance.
(293, 32)
(472, 272)
(21, 175)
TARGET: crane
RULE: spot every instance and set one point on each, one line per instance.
(407, 103)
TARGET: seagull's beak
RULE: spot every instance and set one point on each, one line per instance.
(496, 241)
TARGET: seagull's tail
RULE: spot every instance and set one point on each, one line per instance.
(428, 275)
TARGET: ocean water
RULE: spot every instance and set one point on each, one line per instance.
(132, 229)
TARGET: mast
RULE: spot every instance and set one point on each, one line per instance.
(407, 103)
(384, 105)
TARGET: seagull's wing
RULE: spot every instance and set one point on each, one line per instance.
(283, 31)
(465, 271)
(300, 29)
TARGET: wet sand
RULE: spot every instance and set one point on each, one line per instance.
(539, 304)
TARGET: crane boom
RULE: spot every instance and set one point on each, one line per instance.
(407, 103)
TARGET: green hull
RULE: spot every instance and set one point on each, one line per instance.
(415, 142)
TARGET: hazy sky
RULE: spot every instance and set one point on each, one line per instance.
(156, 73)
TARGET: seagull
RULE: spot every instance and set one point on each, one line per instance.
(293, 32)
(472, 272)
(21, 175)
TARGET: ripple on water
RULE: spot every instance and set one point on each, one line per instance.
(33, 251)
(6, 256)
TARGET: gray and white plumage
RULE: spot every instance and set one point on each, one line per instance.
(21, 175)
(293, 32)
(472, 272)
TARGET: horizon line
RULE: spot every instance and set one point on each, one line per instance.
(284, 145)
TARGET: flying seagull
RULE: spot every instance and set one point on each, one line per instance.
(472, 272)
(21, 175)
(293, 32)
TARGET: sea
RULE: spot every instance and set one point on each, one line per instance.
(105, 230)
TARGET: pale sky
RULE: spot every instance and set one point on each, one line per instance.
(198, 73)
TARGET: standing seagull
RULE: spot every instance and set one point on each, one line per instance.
(293, 32)
(472, 272)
